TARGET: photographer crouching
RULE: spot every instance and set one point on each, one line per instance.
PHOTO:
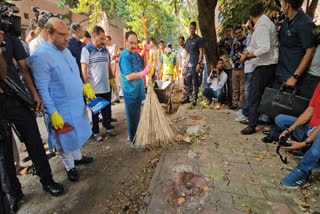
(301, 135)
(217, 81)
(14, 109)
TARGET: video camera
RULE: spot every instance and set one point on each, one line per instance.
(237, 49)
(278, 18)
(42, 13)
(8, 21)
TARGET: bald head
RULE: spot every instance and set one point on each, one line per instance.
(58, 33)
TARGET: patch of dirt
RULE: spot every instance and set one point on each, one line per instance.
(186, 189)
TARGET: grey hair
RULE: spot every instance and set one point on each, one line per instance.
(75, 26)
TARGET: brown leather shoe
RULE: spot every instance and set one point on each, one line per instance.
(248, 131)
(208, 103)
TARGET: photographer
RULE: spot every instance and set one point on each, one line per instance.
(217, 79)
(296, 45)
(304, 135)
(16, 112)
(238, 47)
(41, 38)
(263, 51)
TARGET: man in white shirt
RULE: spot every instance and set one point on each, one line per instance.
(217, 80)
(96, 70)
(264, 52)
(41, 38)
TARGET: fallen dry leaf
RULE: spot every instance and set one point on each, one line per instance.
(226, 163)
(206, 189)
(174, 170)
(107, 147)
(181, 201)
(270, 203)
(302, 205)
(180, 138)
(154, 160)
(258, 159)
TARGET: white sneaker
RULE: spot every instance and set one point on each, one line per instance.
(139, 149)
(241, 117)
(97, 137)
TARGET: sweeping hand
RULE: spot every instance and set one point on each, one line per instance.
(145, 71)
(113, 86)
(88, 92)
(56, 120)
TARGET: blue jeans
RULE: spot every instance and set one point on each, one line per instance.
(248, 81)
(205, 76)
(209, 93)
(133, 116)
(310, 160)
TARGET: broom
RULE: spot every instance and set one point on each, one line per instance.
(153, 130)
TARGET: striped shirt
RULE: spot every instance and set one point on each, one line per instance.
(98, 69)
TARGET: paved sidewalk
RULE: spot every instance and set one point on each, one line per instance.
(223, 172)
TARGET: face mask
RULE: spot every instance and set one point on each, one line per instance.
(169, 50)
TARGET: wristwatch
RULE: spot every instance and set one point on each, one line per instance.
(308, 144)
(296, 76)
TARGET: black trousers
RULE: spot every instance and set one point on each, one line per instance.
(228, 86)
(24, 120)
(4, 204)
(191, 77)
(262, 77)
(106, 115)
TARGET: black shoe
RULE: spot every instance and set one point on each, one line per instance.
(110, 127)
(84, 160)
(266, 132)
(54, 188)
(298, 153)
(113, 120)
(233, 107)
(263, 123)
(73, 175)
(248, 131)
(268, 139)
(185, 101)
(244, 122)
(194, 103)
(117, 101)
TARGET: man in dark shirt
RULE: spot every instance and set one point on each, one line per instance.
(75, 45)
(191, 63)
(12, 111)
(296, 44)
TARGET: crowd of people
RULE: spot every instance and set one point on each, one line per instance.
(276, 53)
(63, 74)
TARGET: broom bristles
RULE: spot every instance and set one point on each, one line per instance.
(153, 130)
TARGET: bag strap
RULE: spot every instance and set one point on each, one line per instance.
(284, 160)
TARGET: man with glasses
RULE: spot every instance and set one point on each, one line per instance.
(191, 64)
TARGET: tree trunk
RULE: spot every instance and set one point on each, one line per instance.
(207, 26)
(312, 8)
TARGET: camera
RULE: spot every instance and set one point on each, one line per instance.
(42, 13)
(278, 18)
(8, 21)
(213, 74)
(283, 141)
(237, 49)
